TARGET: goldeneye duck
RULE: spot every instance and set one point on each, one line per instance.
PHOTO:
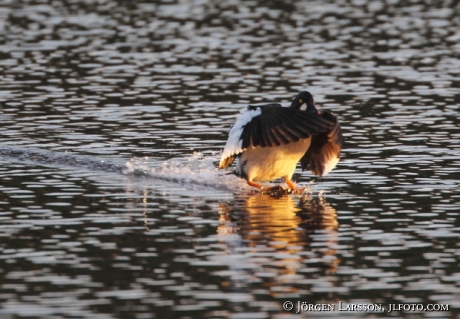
(270, 140)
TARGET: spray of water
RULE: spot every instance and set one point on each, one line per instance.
(196, 170)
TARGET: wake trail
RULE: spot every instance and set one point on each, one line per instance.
(196, 170)
(50, 158)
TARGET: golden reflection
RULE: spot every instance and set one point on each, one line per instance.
(133, 202)
(144, 212)
(298, 229)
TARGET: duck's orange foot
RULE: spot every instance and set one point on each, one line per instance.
(294, 189)
(265, 189)
(259, 186)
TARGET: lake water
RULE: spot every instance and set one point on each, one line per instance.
(113, 116)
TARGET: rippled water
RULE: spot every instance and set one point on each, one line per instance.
(113, 116)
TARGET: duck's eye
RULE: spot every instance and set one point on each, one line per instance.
(300, 101)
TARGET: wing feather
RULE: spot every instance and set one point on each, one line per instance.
(324, 152)
(272, 125)
(280, 135)
(234, 145)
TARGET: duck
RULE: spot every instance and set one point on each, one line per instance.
(269, 140)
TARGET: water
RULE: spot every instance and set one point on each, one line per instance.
(113, 116)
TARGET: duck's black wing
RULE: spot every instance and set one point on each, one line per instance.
(324, 151)
(271, 125)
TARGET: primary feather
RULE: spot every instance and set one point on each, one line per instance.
(234, 145)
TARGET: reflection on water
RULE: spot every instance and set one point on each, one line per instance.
(297, 230)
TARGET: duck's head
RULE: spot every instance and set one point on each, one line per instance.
(304, 101)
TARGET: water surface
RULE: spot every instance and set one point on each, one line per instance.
(113, 116)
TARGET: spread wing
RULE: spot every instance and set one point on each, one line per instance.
(270, 125)
(324, 151)
(234, 145)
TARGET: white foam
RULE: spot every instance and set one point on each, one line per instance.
(195, 171)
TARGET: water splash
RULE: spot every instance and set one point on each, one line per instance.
(198, 170)
(195, 170)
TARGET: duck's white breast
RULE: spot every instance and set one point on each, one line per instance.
(260, 164)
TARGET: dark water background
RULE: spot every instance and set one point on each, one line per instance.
(113, 116)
